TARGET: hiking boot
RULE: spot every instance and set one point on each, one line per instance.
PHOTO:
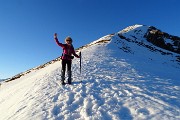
(62, 83)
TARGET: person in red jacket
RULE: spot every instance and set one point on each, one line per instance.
(68, 51)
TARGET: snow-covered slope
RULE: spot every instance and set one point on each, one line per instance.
(120, 80)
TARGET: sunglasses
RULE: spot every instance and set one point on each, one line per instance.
(69, 40)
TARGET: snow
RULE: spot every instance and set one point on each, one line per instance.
(113, 85)
(168, 41)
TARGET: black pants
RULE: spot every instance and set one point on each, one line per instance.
(68, 63)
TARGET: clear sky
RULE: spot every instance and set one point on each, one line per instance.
(27, 26)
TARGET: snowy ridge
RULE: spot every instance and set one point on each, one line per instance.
(136, 32)
(135, 42)
(130, 28)
(104, 39)
(151, 36)
(114, 85)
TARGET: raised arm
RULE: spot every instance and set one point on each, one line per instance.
(56, 40)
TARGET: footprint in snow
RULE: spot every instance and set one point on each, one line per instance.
(125, 114)
(143, 111)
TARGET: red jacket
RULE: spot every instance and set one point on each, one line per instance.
(68, 50)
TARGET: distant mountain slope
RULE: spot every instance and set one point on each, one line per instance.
(136, 35)
(152, 35)
(121, 79)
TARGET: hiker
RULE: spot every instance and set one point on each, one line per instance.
(66, 57)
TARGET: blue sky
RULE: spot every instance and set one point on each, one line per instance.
(27, 26)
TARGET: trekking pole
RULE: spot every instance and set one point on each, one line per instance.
(80, 61)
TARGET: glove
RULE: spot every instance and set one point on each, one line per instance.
(55, 35)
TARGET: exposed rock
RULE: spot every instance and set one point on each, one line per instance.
(163, 40)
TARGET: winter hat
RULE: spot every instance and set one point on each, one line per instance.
(68, 38)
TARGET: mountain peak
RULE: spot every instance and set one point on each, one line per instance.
(130, 28)
(152, 35)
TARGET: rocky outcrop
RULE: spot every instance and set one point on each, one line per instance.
(151, 38)
(163, 40)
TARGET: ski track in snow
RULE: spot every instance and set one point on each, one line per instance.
(108, 88)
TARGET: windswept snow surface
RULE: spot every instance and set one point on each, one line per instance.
(111, 87)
